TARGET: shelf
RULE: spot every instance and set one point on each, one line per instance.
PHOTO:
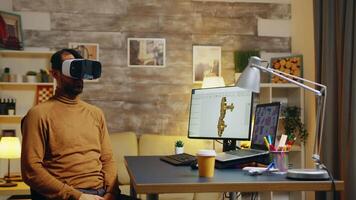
(23, 83)
(25, 53)
(10, 118)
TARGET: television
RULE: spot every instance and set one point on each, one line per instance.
(222, 113)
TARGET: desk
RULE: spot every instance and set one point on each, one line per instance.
(21, 188)
(151, 176)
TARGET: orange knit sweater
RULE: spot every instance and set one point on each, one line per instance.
(66, 146)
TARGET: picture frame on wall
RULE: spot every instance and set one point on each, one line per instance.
(89, 51)
(146, 52)
(10, 31)
(292, 65)
(206, 62)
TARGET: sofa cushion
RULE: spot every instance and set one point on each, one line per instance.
(125, 189)
(150, 144)
(124, 144)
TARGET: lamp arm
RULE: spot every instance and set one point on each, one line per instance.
(299, 78)
(321, 104)
(277, 73)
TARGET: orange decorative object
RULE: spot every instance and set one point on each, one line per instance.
(44, 92)
(292, 65)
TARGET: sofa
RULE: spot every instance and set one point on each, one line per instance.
(129, 144)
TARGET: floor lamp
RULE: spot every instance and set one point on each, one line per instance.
(10, 148)
(250, 79)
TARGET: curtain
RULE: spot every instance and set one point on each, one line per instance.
(335, 42)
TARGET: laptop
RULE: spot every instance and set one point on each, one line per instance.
(265, 123)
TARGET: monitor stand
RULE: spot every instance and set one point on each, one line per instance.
(229, 145)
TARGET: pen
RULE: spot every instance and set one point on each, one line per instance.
(271, 147)
(266, 142)
(270, 166)
(269, 139)
(289, 147)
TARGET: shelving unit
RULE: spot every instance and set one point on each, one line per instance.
(289, 95)
(20, 62)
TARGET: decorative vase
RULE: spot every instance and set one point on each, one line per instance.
(31, 78)
(179, 150)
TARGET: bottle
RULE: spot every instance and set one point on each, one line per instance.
(2, 107)
(14, 106)
(7, 105)
(6, 75)
(11, 107)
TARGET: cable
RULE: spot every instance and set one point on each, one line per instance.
(239, 195)
(332, 180)
(219, 143)
(254, 195)
(225, 195)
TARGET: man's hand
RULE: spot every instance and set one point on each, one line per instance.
(90, 197)
(109, 196)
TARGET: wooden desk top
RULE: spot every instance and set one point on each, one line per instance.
(150, 175)
(21, 188)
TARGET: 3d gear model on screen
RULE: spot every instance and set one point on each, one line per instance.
(223, 107)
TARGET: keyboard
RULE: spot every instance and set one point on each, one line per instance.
(179, 159)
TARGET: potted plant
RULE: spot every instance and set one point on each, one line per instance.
(179, 147)
(293, 126)
(31, 76)
(241, 60)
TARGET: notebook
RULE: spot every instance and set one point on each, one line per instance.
(265, 123)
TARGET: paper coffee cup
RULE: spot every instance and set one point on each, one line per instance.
(206, 162)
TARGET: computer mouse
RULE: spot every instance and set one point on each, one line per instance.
(194, 165)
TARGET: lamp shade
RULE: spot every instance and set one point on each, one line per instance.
(250, 77)
(10, 147)
(213, 81)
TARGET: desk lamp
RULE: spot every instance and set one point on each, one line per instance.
(10, 148)
(250, 79)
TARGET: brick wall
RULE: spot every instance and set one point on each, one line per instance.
(153, 100)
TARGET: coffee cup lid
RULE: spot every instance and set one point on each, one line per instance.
(206, 152)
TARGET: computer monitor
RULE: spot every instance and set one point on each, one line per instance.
(222, 113)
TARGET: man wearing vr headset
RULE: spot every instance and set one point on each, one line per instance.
(66, 150)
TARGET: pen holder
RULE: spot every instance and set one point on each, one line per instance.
(280, 159)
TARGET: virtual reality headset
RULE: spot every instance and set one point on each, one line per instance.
(81, 69)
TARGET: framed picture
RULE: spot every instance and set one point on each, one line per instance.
(146, 52)
(10, 31)
(292, 65)
(206, 62)
(89, 51)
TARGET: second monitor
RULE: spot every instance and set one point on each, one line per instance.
(220, 113)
